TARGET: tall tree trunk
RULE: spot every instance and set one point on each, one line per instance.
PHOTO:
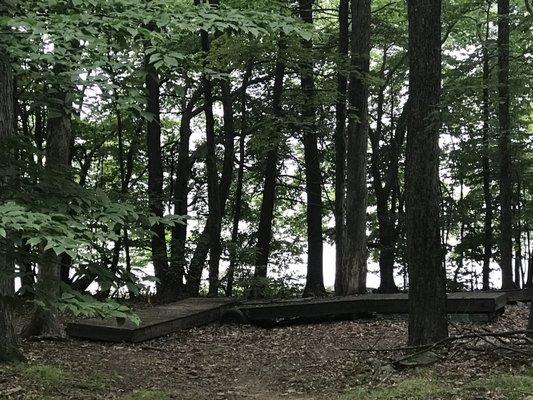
(386, 216)
(181, 192)
(427, 276)
(354, 269)
(9, 350)
(340, 135)
(237, 203)
(504, 143)
(314, 285)
(167, 287)
(264, 230)
(225, 185)
(487, 195)
(518, 236)
(210, 240)
(44, 322)
(529, 278)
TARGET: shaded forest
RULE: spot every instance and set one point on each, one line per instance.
(159, 150)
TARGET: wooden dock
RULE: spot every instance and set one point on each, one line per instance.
(481, 304)
(164, 319)
(155, 321)
(514, 295)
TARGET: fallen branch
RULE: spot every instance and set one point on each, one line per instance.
(446, 341)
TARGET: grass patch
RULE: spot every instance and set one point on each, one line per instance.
(509, 387)
(412, 389)
(504, 387)
(46, 376)
(53, 382)
(147, 394)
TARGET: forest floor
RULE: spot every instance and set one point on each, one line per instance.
(316, 361)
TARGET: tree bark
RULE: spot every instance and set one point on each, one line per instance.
(384, 192)
(168, 280)
(518, 235)
(9, 350)
(237, 203)
(314, 285)
(264, 230)
(504, 143)
(181, 192)
(340, 135)
(487, 195)
(218, 192)
(427, 276)
(44, 321)
(352, 278)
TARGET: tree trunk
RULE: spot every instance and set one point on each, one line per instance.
(181, 192)
(264, 230)
(314, 285)
(209, 240)
(427, 276)
(354, 269)
(44, 321)
(487, 195)
(224, 187)
(9, 350)
(529, 279)
(518, 273)
(237, 204)
(504, 118)
(167, 287)
(340, 135)
(386, 217)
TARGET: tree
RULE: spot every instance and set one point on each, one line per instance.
(168, 284)
(264, 230)
(487, 195)
(8, 344)
(504, 143)
(44, 321)
(427, 279)
(354, 268)
(340, 139)
(314, 285)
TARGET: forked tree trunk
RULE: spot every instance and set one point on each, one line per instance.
(504, 143)
(314, 285)
(427, 276)
(9, 350)
(352, 278)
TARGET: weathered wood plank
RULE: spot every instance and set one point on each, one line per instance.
(513, 296)
(460, 303)
(155, 321)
